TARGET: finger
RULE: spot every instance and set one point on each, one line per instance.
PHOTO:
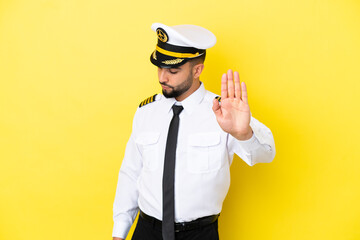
(216, 108)
(237, 85)
(224, 90)
(244, 96)
(230, 84)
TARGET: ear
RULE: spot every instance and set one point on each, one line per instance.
(197, 70)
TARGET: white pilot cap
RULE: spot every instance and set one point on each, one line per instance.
(187, 35)
(177, 44)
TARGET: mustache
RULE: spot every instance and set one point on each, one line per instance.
(164, 84)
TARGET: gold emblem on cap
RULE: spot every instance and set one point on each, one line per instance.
(173, 61)
(162, 35)
(154, 55)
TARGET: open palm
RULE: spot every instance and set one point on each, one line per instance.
(233, 114)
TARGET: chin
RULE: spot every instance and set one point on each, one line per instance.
(171, 94)
(167, 94)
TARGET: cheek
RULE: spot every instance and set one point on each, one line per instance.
(178, 80)
(181, 77)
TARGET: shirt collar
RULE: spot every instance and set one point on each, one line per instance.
(190, 102)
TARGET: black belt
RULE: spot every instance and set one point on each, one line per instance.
(183, 226)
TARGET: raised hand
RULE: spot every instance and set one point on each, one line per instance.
(233, 114)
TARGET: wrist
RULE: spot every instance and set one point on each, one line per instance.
(244, 136)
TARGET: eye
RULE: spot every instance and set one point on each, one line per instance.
(173, 72)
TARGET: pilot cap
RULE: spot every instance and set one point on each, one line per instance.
(177, 44)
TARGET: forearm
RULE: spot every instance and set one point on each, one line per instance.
(116, 238)
(244, 136)
(125, 206)
(259, 147)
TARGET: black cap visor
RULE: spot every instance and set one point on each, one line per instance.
(168, 55)
(165, 61)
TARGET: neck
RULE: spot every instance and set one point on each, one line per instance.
(192, 89)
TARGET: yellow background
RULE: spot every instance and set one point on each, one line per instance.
(72, 74)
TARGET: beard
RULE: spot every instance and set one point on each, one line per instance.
(177, 91)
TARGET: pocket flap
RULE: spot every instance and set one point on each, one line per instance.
(204, 139)
(147, 138)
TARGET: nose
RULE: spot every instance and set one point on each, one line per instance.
(162, 75)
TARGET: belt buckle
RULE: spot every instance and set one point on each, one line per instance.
(181, 225)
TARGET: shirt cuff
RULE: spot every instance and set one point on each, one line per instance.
(121, 229)
(249, 144)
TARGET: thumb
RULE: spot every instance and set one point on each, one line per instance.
(216, 108)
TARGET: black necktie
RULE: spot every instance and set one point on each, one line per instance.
(168, 220)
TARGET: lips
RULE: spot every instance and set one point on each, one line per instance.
(165, 87)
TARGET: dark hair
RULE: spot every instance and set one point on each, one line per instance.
(198, 60)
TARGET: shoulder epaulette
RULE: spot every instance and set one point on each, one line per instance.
(218, 98)
(148, 100)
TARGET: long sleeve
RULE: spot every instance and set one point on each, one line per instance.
(125, 206)
(260, 148)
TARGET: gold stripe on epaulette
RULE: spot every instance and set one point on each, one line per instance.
(148, 100)
(218, 98)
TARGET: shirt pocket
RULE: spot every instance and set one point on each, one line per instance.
(148, 142)
(204, 153)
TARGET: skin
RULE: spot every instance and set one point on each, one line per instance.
(233, 114)
(182, 78)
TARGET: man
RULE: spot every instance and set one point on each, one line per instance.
(176, 169)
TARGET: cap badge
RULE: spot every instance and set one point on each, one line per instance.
(162, 35)
(173, 61)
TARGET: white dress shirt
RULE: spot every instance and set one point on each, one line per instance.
(203, 158)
